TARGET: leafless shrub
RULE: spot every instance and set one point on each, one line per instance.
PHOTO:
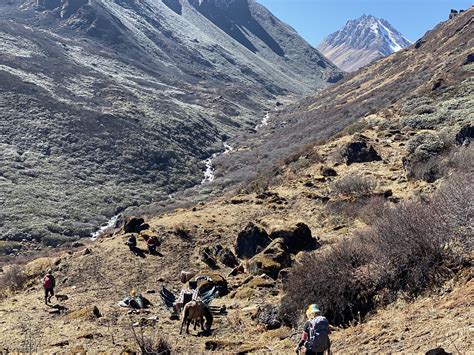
(150, 345)
(13, 279)
(328, 279)
(462, 159)
(408, 248)
(354, 185)
(181, 231)
(367, 208)
(372, 209)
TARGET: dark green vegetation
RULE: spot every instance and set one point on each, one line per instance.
(111, 104)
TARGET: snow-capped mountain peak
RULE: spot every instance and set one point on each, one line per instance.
(361, 41)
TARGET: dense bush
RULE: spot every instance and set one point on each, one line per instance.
(407, 249)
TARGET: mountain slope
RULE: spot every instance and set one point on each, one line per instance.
(429, 66)
(103, 101)
(362, 41)
(337, 201)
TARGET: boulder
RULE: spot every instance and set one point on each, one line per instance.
(207, 258)
(297, 238)
(77, 245)
(270, 261)
(327, 171)
(225, 256)
(437, 351)
(251, 241)
(88, 312)
(359, 151)
(469, 59)
(465, 134)
(135, 225)
(187, 275)
(269, 317)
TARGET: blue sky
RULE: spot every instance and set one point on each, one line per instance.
(315, 19)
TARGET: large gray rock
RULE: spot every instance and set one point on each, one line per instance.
(465, 135)
(269, 317)
(274, 258)
(251, 241)
(135, 225)
(297, 238)
(359, 151)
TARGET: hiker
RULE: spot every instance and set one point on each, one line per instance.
(151, 244)
(187, 295)
(48, 283)
(315, 337)
(132, 242)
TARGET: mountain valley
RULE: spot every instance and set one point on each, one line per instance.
(350, 191)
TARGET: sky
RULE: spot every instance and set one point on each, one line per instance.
(315, 19)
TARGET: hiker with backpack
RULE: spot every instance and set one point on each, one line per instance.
(48, 284)
(152, 243)
(315, 337)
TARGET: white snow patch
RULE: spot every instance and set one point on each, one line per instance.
(392, 40)
(374, 28)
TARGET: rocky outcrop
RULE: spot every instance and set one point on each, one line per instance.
(275, 257)
(269, 317)
(465, 135)
(225, 256)
(251, 241)
(207, 258)
(135, 225)
(327, 171)
(359, 151)
(453, 13)
(296, 238)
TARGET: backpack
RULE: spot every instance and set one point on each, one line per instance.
(318, 340)
(47, 282)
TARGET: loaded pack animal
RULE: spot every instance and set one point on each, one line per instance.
(196, 311)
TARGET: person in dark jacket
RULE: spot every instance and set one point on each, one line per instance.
(49, 283)
(315, 337)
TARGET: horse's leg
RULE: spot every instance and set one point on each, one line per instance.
(195, 323)
(187, 326)
(202, 323)
(182, 324)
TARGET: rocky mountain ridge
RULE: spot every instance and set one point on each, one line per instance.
(362, 41)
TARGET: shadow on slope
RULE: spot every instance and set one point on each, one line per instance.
(235, 19)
